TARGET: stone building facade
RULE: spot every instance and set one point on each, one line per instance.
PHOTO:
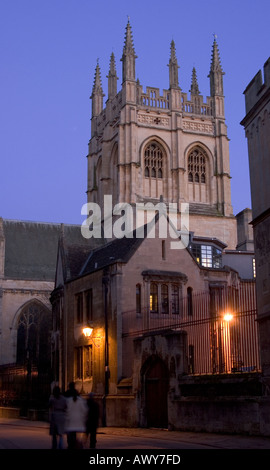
(124, 321)
(147, 144)
(257, 129)
(142, 323)
(28, 254)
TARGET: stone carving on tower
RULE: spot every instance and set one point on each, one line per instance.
(146, 144)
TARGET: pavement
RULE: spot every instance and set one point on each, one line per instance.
(144, 438)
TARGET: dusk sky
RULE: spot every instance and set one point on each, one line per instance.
(49, 51)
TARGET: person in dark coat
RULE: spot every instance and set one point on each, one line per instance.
(57, 410)
(92, 420)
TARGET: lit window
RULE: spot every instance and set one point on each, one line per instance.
(83, 362)
(153, 297)
(207, 255)
(254, 267)
(88, 362)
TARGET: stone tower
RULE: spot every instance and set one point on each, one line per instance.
(148, 144)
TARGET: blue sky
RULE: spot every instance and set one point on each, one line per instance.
(49, 51)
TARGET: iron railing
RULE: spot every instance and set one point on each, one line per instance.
(221, 328)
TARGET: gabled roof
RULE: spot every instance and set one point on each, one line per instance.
(31, 249)
(118, 250)
(74, 250)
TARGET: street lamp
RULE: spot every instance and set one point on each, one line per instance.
(87, 331)
(228, 317)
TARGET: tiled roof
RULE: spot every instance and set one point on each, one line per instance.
(119, 250)
(31, 248)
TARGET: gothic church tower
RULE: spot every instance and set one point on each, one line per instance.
(147, 144)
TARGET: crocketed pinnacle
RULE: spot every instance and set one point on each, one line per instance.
(215, 63)
(173, 58)
(194, 83)
(216, 73)
(97, 86)
(128, 57)
(173, 67)
(128, 44)
(112, 71)
(112, 78)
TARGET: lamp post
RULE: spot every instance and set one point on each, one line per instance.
(227, 318)
(105, 282)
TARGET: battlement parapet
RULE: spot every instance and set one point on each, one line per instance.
(257, 87)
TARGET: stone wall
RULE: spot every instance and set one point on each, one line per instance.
(221, 404)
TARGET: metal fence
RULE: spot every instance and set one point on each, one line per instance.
(221, 327)
(23, 386)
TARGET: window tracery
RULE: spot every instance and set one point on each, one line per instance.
(153, 161)
(197, 166)
(33, 343)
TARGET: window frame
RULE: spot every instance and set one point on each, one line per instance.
(197, 163)
(154, 158)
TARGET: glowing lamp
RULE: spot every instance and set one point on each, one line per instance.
(228, 317)
(87, 331)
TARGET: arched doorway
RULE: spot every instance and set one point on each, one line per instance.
(156, 380)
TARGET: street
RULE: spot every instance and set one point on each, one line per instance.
(24, 434)
(28, 443)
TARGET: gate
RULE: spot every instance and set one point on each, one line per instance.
(156, 394)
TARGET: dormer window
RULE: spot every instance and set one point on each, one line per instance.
(208, 256)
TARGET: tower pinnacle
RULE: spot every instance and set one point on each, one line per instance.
(194, 89)
(216, 73)
(173, 67)
(129, 56)
(112, 78)
(97, 93)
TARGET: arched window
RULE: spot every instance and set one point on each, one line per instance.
(33, 336)
(153, 161)
(153, 297)
(197, 166)
(198, 175)
(154, 170)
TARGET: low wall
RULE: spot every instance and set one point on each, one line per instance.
(221, 404)
(121, 411)
(233, 415)
(9, 412)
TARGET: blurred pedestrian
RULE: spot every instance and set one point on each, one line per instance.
(92, 420)
(57, 414)
(76, 417)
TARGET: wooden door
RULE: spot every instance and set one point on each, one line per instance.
(156, 391)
